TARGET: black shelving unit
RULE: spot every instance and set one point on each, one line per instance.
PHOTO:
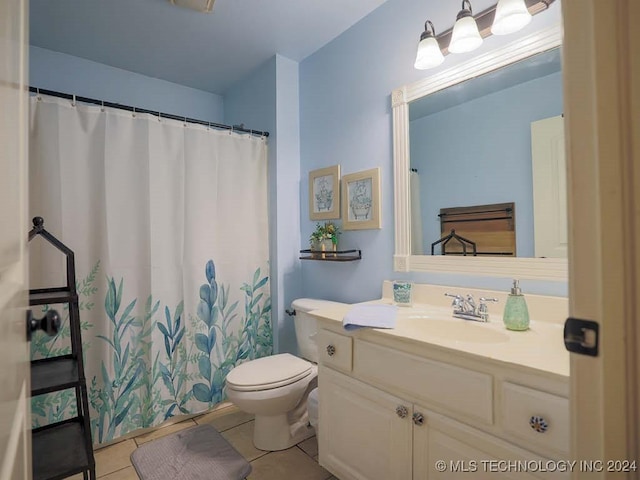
(331, 255)
(64, 448)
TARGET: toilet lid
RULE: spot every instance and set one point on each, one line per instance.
(268, 372)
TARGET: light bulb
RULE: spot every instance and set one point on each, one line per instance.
(465, 36)
(511, 16)
(429, 54)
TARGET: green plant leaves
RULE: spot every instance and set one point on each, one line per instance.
(201, 392)
(202, 342)
(210, 271)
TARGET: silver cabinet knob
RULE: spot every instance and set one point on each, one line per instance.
(538, 423)
(402, 411)
(331, 350)
(418, 418)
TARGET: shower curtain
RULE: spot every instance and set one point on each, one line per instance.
(416, 215)
(168, 222)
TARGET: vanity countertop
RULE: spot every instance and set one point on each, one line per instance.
(541, 348)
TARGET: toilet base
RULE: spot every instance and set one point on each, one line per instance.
(274, 432)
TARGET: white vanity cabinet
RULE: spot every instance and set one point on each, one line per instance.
(391, 410)
(367, 434)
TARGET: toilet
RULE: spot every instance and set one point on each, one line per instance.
(275, 388)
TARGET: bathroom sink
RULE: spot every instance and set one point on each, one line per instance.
(453, 329)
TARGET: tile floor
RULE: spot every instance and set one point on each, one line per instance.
(296, 463)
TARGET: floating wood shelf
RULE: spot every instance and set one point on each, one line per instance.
(331, 256)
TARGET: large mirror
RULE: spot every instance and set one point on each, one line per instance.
(465, 139)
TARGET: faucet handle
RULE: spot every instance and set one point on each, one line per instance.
(483, 310)
(458, 300)
(485, 299)
(456, 296)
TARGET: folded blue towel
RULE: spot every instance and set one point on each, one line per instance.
(370, 315)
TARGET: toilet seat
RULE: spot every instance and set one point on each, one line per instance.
(268, 373)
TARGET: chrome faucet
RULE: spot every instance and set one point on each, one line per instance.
(466, 308)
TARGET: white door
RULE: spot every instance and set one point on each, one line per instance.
(549, 188)
(369, 440)
(602, 124)
(15, 456)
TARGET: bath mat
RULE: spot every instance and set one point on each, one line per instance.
(192, 454)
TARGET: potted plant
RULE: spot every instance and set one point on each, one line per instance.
(331, 232)
(315, 240)
(325, 237)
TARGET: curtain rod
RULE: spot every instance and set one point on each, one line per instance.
(76, 98)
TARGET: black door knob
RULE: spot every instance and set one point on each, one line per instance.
(50, 323)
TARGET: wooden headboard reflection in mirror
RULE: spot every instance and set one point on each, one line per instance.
(477, 230)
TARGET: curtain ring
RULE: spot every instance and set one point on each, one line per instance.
(38, 97)
(134, 112)
(102, 106)
(73, 102)
(160, 116)
(185, 122)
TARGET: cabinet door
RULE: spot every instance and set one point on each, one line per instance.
(446, 449)
(362, 436)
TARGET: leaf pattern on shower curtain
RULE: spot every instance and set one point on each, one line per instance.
(119, 408)
(220, 348)
(174, 374)
(58, 406)
(140, 386)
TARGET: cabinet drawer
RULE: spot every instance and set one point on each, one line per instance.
(457, 391)
(539, 418)
(335, 350)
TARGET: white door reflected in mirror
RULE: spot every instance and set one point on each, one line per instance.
(549, 187)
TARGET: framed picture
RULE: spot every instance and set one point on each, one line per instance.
(361, 200)
(324, 193)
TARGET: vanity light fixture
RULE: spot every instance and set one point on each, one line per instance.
(511, 16)
(204, 6)
(465, 36)
(507, 16)
(429, 54)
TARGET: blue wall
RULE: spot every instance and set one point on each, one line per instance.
(346, 119)
(268, 100)
(77, 76)
(486, 157)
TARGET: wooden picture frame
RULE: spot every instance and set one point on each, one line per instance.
(324, 193)
(361, 208)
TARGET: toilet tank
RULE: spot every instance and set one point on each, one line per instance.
(305, 325)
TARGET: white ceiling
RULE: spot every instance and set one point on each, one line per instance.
(207, 51)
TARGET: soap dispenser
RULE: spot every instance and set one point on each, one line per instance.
(516, 313)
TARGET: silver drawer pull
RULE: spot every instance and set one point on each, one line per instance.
(402, 411)
(418, 419)
(538, 423)
(331, 350)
